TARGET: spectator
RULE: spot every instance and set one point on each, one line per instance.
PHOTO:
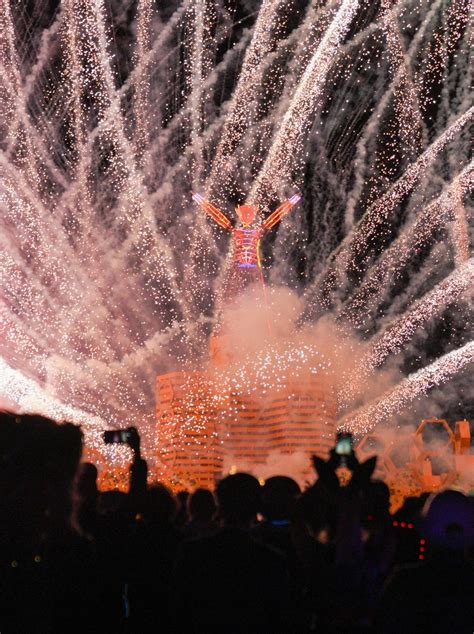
(435, 595)
(47, 570)
(182, 517)
(279, 495)
(202, 510)
(154, 545)
(86, 499)
(229, 582)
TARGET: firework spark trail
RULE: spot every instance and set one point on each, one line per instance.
(406, 97)
(424, 309)
(122, 93)
(241, 108)
(215, 128)
(392, 339)
(103, 224)
(26, 210)
(142, 83)
(9, 112)
(200, 69)
(21, 138)
(456, 20)
(196, 97)
(281, 156)
(434, 269)
(415, 386)
(133, 193)
(31, 308)
(197, 71)
(345, 254)
(297, 223)
(182, 164)
(460, 229)
(18, 139)
(375, 217)
(43, 56)
(156, 49)
(72, 287)
(39, 231)
(372, 128)
(396, 257)
(81, 201)
(27, 396)
(140, 224)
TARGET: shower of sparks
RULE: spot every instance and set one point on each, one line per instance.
(109, 121)
(393, 261)
(278, 165)
(413, 387)
(395, 336)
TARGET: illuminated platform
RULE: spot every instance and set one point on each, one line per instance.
(188, 441)
(202, 432)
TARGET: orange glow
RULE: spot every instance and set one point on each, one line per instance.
(278, 214)
(246, 214)
(416, 474)
(212, 211)
(241, 429)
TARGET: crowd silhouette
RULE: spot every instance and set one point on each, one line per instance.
(247, 558)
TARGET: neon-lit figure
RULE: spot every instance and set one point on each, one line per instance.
(246, 238)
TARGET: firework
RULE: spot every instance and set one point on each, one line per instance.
(109, 121)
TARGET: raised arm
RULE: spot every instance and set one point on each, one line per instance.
(215, 213)
(280, 211)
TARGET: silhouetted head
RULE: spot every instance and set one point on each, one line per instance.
(160, 505)
(246, 214)
(411, 509)
(239, 498)
(38, 463)
(33, 446)
(278, 497)
(181, 518)
(202, 505)
(449, 521)
(111, 502)
(377, 498)
(86, 484)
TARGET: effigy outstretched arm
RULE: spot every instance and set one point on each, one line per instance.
(280, 212)
(212, 211)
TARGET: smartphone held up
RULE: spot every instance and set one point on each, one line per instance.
(116, 436)
(344, 447)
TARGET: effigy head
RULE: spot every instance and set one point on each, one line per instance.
(246, 214)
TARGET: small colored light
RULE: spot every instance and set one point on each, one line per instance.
(395, 523)
(422, 541)
(403, 524)
(410, 525)
(421, 557)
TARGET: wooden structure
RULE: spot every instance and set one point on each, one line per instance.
(201, 428)
(432, 458)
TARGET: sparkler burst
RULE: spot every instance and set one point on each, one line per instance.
(113, 114)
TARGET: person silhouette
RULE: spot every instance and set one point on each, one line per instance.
(229, 582)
